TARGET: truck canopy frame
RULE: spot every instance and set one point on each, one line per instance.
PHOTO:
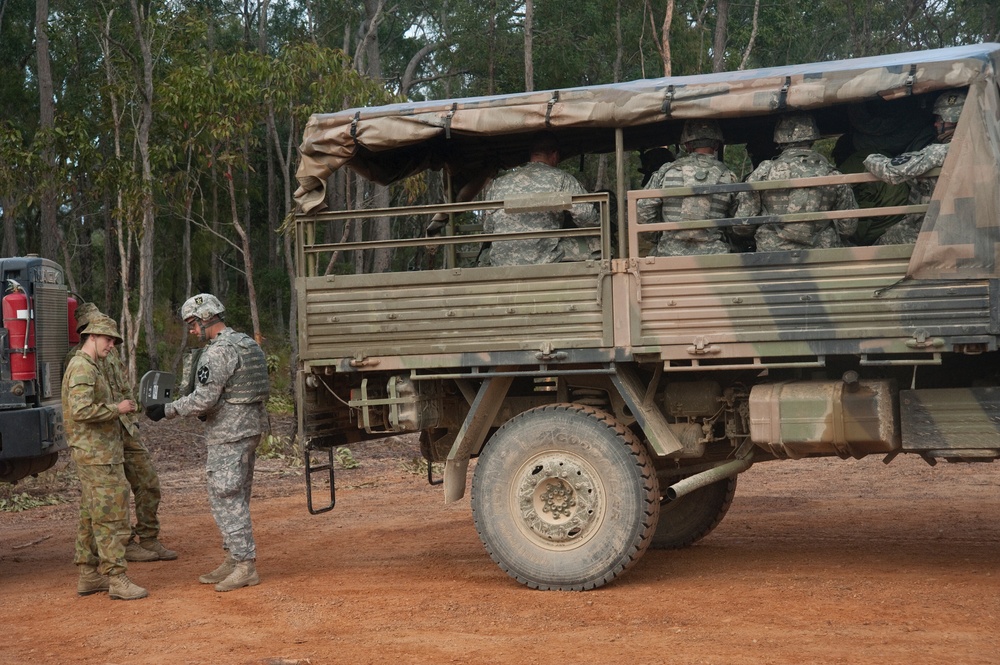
(471, 139)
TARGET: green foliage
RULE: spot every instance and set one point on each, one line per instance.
(21, 501)
(345, 459)
(280, 402)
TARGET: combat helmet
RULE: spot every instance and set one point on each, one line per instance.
(102, 325)
(706, 132)
(84, 313)
(949, 105)
(202, 306)
(795, 128)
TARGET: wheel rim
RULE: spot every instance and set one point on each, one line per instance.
(558, 500)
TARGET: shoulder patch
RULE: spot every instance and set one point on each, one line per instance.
(203, 374)
(902, 159)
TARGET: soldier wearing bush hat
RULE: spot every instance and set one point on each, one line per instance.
(143, 543)
(93, 428)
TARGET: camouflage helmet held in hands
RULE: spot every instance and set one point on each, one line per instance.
(701, 130)
(84, 313)
(102, 324)
(202, 306)
(795, 128)
(949, 105)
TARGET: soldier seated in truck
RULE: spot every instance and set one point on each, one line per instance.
(795, 134)
(906, 167)
(702, 139)
(539, 174)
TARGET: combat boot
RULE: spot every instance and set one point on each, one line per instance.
(153, 545)
(91, 581)
(136, 552)
(220, 573)
(244, 574)
(122, 588)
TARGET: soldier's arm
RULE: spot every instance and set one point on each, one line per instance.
(908, 165)
(217, 365)
(648, 211)
(846, 201)
(748, 203)
(583, 214)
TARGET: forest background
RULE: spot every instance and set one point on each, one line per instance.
(151, 147)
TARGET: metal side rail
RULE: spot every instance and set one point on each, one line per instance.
(310, 470)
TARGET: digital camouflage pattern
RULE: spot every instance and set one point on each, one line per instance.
(690, 170)
(94, 435)
(906, 168)
(202, 306)
(232, 432)
(225, 421)
(229, 469)
(796, 163)
(536, 177)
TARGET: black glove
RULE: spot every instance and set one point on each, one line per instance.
(156, 412)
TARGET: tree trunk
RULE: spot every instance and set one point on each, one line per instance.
(144, 312)
(247, 255)
(719, 43)
(46, 125)
(663, 46)
(9, 226)
(753, 35)
(529, 63)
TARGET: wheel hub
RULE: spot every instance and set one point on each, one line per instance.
(557, 499)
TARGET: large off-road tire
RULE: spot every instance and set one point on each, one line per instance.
(687, 519)
(564, 497)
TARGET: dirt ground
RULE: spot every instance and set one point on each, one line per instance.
(818, 561)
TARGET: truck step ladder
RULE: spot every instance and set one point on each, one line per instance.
(311, 469)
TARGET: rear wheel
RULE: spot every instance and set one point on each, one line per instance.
(687, 519)
(564, 497)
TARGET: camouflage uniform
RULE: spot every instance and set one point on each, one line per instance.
(906, 167)
(139, 470)
(232, 432)
(94, 433)
(693, 169)
(536, 177)
(796, 161)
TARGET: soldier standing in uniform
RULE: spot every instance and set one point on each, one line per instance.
(143, 543)
(702, 139)
(909, 165)
(795, 135)
(230, 392)
(94, 431)
(538, 175)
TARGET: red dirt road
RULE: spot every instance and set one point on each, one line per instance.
(820, 561)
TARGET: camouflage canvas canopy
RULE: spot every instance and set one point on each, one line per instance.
(472, 138)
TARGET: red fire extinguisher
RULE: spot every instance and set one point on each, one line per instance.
(20, 335)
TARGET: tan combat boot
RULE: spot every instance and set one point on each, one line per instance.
(136, 552)
(244, 574)
(220, 573)
(153, 545)
(122, 588)
(91, 581)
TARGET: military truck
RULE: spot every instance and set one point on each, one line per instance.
(35, 337)
(611, 404)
